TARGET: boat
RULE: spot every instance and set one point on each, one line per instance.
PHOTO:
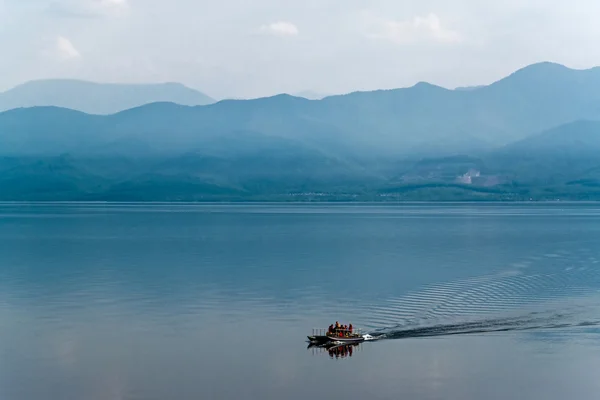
(341, 336)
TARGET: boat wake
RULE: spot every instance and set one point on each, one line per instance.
(533, 322)
(559, 290)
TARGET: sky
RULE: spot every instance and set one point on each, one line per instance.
(253, 48)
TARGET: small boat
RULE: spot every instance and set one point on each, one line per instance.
(323, 336)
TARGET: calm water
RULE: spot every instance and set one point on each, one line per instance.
(215, 301)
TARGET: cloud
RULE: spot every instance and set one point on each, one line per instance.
(280, 28)
(65, 49)
(90, 8)
(416, 30)
(113, 4)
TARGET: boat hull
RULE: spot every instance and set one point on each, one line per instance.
(330, 339)
(319, 339)
(352, 339)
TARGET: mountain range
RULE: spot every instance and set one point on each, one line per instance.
(532, 135)
(96, 98)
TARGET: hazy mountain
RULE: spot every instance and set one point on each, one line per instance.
(576, 139)
(54, 178)
(530, 135)
(252, 167)
(96, 98)
(50, 130)
(392, 122)
(532, 99)
(558, 155)
(561, 163)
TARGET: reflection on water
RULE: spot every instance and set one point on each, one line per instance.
(335, 351)
(215, 301)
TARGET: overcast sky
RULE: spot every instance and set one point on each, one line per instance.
(249, 48)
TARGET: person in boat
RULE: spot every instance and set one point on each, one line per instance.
(337, 325)
(330, 329)
(350, 328)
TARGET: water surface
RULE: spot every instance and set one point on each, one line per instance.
(101, 301)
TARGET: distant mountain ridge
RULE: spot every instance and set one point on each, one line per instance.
(560, 163)
(532, 135)
(398, 122)
(97, 98)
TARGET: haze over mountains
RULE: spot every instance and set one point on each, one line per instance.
(97, 98)
(533, 134)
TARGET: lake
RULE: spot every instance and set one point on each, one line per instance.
(134, 301)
